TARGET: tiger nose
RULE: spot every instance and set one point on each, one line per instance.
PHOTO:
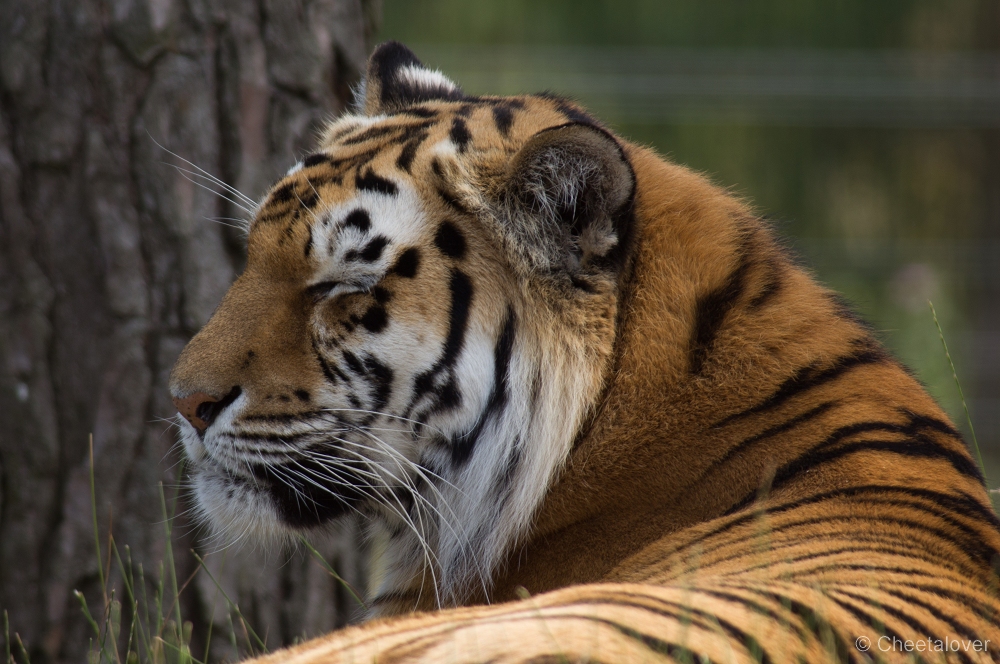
(202, 409)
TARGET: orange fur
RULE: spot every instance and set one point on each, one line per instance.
(752, 478)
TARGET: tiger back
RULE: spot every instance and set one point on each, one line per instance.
(585, 398)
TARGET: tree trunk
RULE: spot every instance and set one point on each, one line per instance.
(109, 262)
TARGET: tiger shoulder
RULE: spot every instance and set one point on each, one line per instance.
(584, 397)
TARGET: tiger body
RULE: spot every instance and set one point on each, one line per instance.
(586, 397)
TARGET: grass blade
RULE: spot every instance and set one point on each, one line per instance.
(332, 572)
(954, 374)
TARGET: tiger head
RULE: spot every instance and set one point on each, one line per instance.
(423, 328)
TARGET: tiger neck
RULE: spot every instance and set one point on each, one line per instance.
(707, 278)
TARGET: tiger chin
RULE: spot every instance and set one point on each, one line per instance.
(546, 363)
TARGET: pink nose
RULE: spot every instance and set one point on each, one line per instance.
(201, 409)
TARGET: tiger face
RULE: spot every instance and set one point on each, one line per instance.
(422, 328)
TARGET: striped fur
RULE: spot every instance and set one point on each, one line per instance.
(586, 398)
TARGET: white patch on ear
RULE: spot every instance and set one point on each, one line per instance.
(421, 77)
(294, 169)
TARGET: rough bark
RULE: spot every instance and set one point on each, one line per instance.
(109, 263)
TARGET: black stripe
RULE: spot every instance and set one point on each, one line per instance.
(461, 291)
(370, 133)
(450, 240)
(330, 372)
(371, 251)
(278, 438)
(381, 378)
(919, 628)
(372, 182)
(746, 443)
(849, 492)
(448, 396)
(315, 159)
(459, 134)
(503, 116)
(710, 313)
(909, 448)
(409, 152)
(819, 626)
(353, 363)
(452, 202)
(956, 626)
(928, 422)
(375, 319)
(754, 606)
(983, 611)
(499, 394)
(970, 541)
(407, 264)
(711, 621)
(772, 284)
(283, 194)
(808, 378)
(358, 219)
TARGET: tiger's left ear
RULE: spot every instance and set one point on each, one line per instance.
(395, 79)
(567, 198)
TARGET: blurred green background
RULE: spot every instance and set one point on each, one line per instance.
(867, 132)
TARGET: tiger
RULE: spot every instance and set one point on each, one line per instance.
(589, 404)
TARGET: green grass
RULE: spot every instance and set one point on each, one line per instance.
(139, 618)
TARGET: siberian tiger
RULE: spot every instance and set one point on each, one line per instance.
(594, 409)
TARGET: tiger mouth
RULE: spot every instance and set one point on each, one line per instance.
(304, 491)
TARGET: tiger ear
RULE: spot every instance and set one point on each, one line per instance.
(568, 196)
(395, 79)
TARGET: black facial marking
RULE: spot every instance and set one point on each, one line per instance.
(405, 159)
(370, 133)
(461, 302)
(310, 199)
(452, 202)
(317, 291)
(375, 319)
(358, 219)
(284, 193)
(309, 244)
(315, 159)
(381, 378)
(450, 240)
(448, 396)
(330, 372)
(306, 493)
(463, 446)
(503, 116)
(353, 363)
(302, 395)
(372, 182)
(459, 134)
(407, 263)
(381, 295)
(373, 250)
